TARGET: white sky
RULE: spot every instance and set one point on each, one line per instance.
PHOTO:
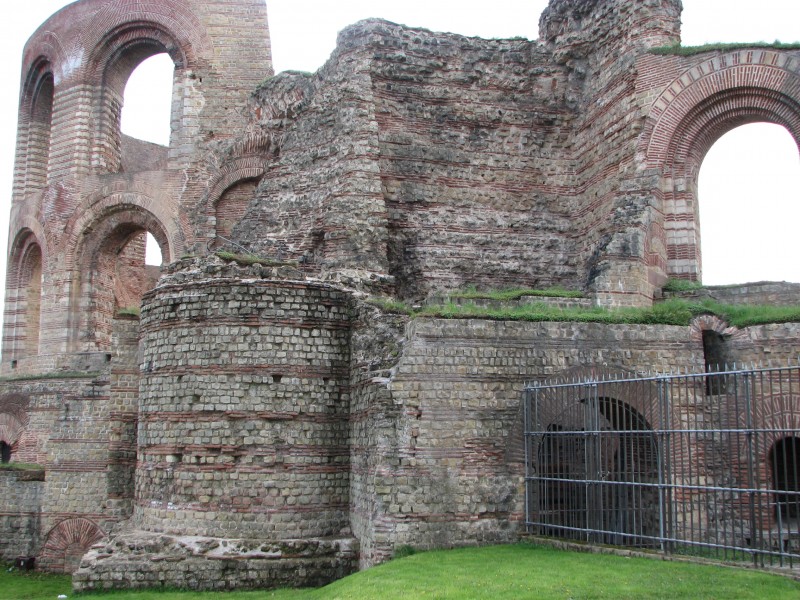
(756, 165)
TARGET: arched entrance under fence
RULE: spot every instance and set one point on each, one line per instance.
(598, 466)
(784, 458)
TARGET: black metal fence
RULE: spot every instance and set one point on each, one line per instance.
(702, 464)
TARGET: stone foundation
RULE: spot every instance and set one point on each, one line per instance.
(139, 560)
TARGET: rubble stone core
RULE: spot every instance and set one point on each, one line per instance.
(245, 416)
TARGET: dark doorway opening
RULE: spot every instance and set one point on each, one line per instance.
(5, 453)
(785, 461)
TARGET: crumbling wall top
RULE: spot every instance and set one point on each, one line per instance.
(577, 28)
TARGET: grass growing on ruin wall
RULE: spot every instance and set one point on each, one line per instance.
(676, 311)
(678, 50)
(514, 294)
(497, 572)
(682, 285)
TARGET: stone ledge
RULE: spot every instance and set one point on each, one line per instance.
(143, 560)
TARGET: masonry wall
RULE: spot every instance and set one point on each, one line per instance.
(243, 409)
(79, 428)
(769, 293)
(436, 428)
(20, 526)
(397, 182)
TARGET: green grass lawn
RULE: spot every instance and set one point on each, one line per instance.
(499, 572)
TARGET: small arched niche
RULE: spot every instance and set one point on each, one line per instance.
(231, 206)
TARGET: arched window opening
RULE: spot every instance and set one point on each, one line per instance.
(147, 107)
(747, 190)
(136, 110)
(132, 275)
(117, 278)
(785, 462)
(715, 355)
(39, 131)
(152, 254)
(5, 452)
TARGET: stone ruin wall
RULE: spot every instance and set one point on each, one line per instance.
(80, 427)
(442, 418)
(473, 162)
(280, 424)
(431, 451)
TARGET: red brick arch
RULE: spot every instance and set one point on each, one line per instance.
(10, 429)
(245, 161)
(691, 114)
(632, 395)
(117, 40)
(171, 23)
(23, 296)
(67, 542)
(42, 69)
(110, 270)
(14, 420)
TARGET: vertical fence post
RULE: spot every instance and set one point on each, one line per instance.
(748, 434)
(594, 501)
(526, 436)
(663, 462)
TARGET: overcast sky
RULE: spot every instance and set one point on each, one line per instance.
(758, 165)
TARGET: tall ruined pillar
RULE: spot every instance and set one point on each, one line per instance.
(600, 43)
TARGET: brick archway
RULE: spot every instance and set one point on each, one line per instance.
(67, 542)
(120, 37)
(110, 271)
(692, 113)
(14, 419)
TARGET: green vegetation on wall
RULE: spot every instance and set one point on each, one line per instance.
(678, 50)
(676, 311)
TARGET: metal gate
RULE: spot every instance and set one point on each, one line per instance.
(699, 464)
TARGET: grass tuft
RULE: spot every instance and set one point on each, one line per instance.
(675, 311)
(678, 50)
(404, 551)
(682, 285)
(514, 293)
(19, 466)
(53, 375)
